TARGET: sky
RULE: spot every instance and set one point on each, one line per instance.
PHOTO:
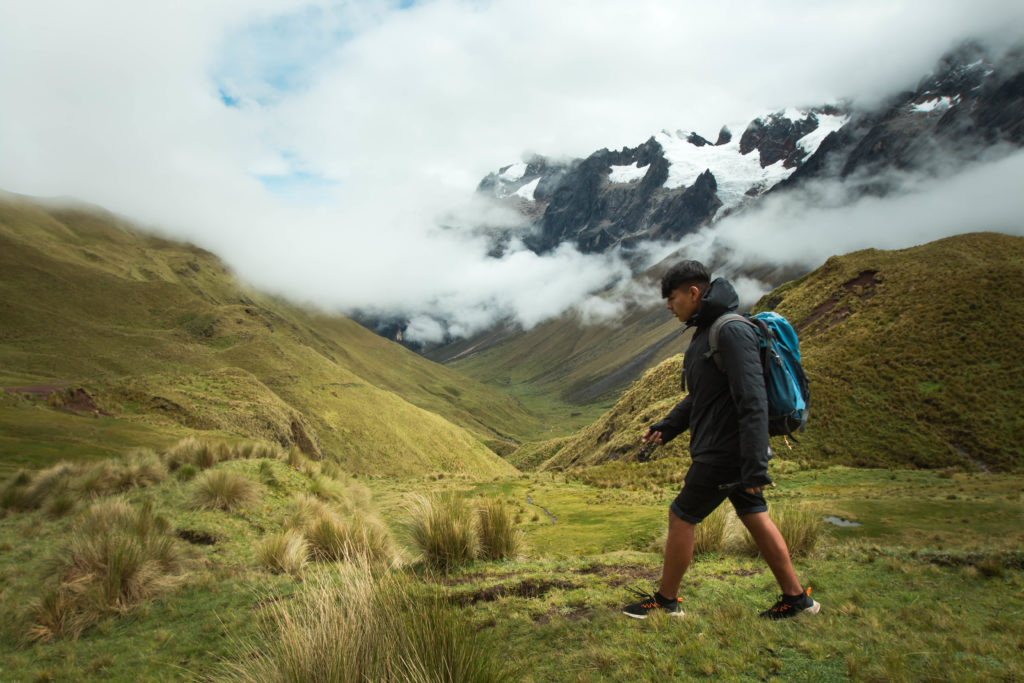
(328, 151)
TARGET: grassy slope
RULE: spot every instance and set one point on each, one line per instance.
(915, 364)
(167, 341)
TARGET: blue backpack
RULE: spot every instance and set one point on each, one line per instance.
(784, 377)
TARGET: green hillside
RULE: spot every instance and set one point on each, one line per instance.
(913, 355)
(111, 338)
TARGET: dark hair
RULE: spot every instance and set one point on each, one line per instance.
(685, 274)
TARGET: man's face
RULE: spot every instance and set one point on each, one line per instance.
(683, 302)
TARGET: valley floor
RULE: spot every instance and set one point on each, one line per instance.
(930, 586)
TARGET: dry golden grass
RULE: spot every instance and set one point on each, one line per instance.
(335, 538)
(801, 527)
(360, 626)
(711, 534)
(222, 489)
(286, 553)
(117, 556)
(499, 537)
(443, 529)
(58, 488)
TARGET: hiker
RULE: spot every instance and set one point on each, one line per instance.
(726, 412)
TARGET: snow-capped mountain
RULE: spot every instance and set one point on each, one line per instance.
(969, 109)
(670, 185)
(678, 182)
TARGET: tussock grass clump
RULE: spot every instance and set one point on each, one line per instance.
(186, 473)
(302, 510)
(345, 493)
(499, 537)
(297, 459)
(334, 536)
(117, 556)
(14, 493)
(449, 531)
(58, 488)
(711, 533)
(200, 454)
(223, 489)
(139, 469)
(60, 505)
(359, 537)
(364, 627)
(327, 488)
(328, 538)
(444, 530)
(284, 553)
(188, 451)
(801, 527)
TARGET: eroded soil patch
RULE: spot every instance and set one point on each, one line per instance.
(862, 286)
(529, 589)
(195, 537)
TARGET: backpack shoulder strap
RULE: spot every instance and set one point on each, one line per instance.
(716, 330)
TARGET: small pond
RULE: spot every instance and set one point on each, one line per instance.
(839, 521)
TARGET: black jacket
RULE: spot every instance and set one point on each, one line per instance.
(726, 412)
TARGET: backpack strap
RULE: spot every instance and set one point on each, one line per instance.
(715, 331)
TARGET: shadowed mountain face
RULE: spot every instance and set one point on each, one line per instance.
(111, 338)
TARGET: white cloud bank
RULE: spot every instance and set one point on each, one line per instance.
(313, 145)
(796, 228)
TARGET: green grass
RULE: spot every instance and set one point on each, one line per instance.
(953, 590)
(905, 371)
(354, 625)
(168, 343)
(169, 346)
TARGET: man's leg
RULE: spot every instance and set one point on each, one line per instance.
(678, 553)
(774, 550)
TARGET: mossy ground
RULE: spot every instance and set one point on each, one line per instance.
(929, 587)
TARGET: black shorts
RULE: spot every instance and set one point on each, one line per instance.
(704, 489)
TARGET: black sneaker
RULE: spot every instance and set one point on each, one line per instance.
(788, 607)
(651, 602)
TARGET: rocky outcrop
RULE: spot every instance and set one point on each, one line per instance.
(586, 208)
(693, 207)
(968, 104)
(620, 198)
(775, 138)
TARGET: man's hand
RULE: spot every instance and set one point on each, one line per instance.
(652, 437)
(758, 489)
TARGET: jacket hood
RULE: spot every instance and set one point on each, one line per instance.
(720, 297)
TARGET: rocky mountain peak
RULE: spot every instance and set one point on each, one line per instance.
(670, 185)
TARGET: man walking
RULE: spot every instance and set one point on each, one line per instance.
(726, 412)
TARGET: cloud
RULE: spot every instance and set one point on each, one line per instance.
(319, 147)
(809, 226)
